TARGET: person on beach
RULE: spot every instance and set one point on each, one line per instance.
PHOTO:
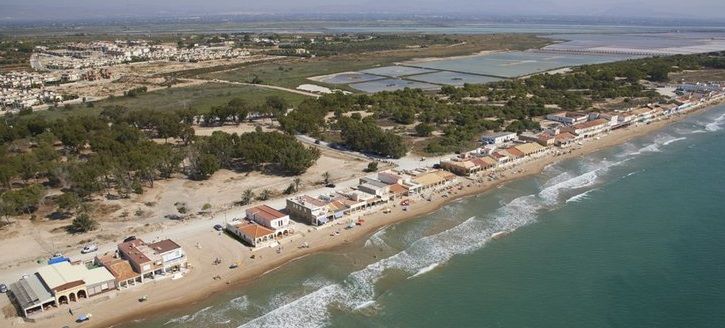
(71, 312)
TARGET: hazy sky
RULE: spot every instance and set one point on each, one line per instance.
(73, 9)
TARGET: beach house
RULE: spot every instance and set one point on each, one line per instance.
(588, 129)
(154, 259)
(429, 179)
(309, 209)
(262, 225)
(568, 118)
(270, 218)
(60, 283)
(400, 178)
(120, 269)
(498, 138)
(252, 233)
(530, 149)
(468, 163)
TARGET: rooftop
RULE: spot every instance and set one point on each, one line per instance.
(498, 134)
(589, 124)
(132, 251)
(265, 212)
(64, 275)
(254, 230)
(164, 246)
(305, 199)
(30, 291)
(529, 148)
(119, 268)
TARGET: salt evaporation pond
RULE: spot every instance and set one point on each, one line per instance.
(515, 63)
(453, 78)
(392, 85)
(347, 78)
(396, 71)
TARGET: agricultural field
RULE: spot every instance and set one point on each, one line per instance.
(199, 97)
(700, 75)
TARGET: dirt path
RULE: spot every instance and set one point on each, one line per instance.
(266, 86)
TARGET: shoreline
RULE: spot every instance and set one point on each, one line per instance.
(197, 285)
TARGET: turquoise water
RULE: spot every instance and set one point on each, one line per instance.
(632, 236)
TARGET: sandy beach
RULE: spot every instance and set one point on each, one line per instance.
(204, 247)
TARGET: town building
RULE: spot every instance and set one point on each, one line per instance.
(498, 138)
(311, 210)
(31, 295)
(58, 284)
(589, 128)
(120, 269)
(544, 138)
(154, 259)
(270, 218)
(429, 179)
(252, 233)
(568, 118)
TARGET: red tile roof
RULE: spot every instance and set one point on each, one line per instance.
(515, 152)
(589, 124)
(130, 250)
(254, 230)
(164, 246)
(264, 213)
(397, 189)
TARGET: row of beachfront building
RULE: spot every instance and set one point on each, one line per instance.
(63, 282)
(264, 225)
(560, 130)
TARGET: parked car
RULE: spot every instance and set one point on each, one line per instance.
(3, 288)
(218, 227)
(89, 249)
(129, 238)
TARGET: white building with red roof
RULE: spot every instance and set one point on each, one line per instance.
(270, 218)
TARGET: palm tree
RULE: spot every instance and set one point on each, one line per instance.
(247, 197)
(326, 177)
(297, 182)
(264, 195)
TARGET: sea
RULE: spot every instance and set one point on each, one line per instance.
(630, 236)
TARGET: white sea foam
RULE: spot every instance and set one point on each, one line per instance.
(424, 254)
(376, 240)
(240, 303)
(365, 305)
(424, 270)
(673, 140)
(307, 311)
(579, 197)
(188, 318)
(716, 125)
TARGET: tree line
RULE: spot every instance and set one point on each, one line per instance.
(115, 153)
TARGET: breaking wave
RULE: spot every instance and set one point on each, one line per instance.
(188, 317)
(673, 140)
(376, 240)
(428, 252)
(423, 255)
(424, 270)
(716, 125)
(579, 197)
